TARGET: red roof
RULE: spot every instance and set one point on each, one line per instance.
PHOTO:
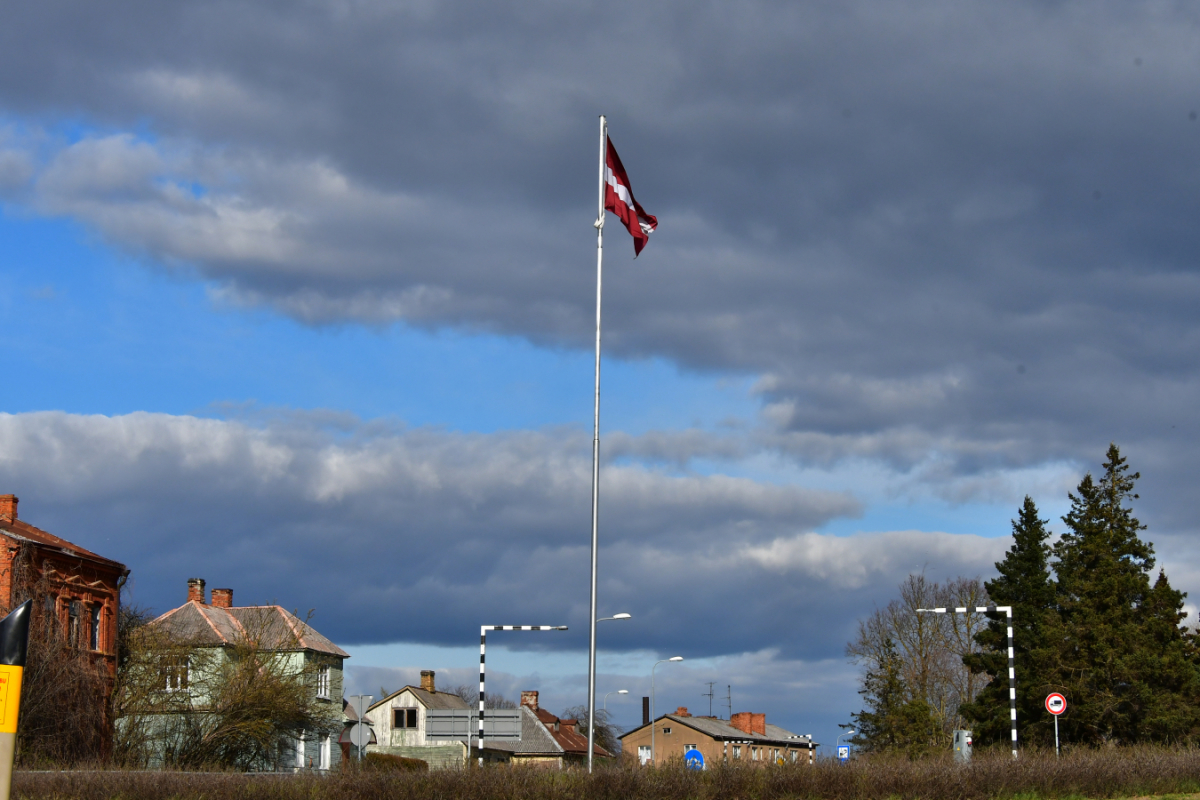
(566, 733)
(19, 529)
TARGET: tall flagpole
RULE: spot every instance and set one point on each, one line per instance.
(596, 450)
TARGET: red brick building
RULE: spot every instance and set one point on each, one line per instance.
(82, 589)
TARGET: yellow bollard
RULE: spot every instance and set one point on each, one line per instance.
(14, 646)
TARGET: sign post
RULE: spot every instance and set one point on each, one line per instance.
(360, 733)
(1056, 704)
(14, 647)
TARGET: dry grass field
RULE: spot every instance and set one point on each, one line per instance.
(1111, 773)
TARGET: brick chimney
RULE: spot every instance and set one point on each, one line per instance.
(530, 699)
(682, 712)
(8, 506)
(750, 723)
(196, 590)
(427, 681)
(645, 710)
(222, 598)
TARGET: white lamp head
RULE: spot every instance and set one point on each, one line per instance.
(622, 615)
(622, 691)
(675, 658)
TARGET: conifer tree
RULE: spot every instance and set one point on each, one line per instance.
(1124, 664)
(1025, 584)
(893, 719)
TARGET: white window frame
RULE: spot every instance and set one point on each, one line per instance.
(180, 670)
(325, 752)
(300, 751)
(643, 754)
(323, 681)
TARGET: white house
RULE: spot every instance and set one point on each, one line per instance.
(399, 724)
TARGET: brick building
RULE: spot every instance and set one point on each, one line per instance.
(82, 589)
(744, 737)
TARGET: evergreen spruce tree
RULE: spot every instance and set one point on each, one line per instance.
(893, 720)
(1025, 584)
(1124, 664)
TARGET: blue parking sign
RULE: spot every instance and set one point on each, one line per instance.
(844, 752)
(694, 759)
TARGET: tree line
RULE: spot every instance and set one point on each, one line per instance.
(1091, 620)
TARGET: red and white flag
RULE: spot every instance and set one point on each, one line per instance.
(618, 198)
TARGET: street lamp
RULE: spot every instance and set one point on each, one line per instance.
(1012, 672)
(618, 691)
(592, 687)
(653, 719)
(483, 629)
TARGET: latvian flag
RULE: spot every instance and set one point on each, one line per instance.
(618, 198)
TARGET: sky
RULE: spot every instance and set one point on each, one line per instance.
(299, 297)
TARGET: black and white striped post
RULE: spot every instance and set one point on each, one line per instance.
(1012, 672)
(483, 630)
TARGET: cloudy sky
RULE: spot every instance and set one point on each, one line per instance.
(298, 298)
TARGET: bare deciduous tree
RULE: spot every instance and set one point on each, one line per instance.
(931, 646)
(240, 706)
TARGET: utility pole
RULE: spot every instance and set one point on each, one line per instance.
(709, 695)
(729, 699)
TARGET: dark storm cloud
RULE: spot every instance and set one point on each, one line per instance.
(956, 238)
(410, 535)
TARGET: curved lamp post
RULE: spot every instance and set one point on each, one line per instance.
(618, 691)
(592, 688)
(653, 719)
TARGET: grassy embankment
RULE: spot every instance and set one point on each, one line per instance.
(1114, 773)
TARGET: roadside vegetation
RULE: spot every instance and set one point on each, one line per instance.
(1092, 619)
(1083, 773)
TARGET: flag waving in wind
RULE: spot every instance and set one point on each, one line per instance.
(618, 198)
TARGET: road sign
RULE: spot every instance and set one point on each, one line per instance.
(360, 703)
(844, 752)
(360, 735)
(694, 759)
(1056, 703)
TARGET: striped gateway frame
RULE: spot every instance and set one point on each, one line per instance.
(483, 631)
(1012, 672)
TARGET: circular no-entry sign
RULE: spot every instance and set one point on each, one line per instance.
(1056, 703)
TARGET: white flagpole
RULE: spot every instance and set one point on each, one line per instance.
(596, 450)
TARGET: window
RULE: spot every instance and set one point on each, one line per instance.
(404, 718)
(175, 673)
(73, 623)
(754, 754)
(687, 747)
(794, 754)
(323, 682)
(94, 629)
(643, 754)
(300, 751)
(775, 756)
(52, 615)
(737, 751)
(666, 731)
(324, 762)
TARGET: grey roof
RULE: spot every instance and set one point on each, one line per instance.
(721, 729)
(535, 739)
(427, 699)
(271, 626)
